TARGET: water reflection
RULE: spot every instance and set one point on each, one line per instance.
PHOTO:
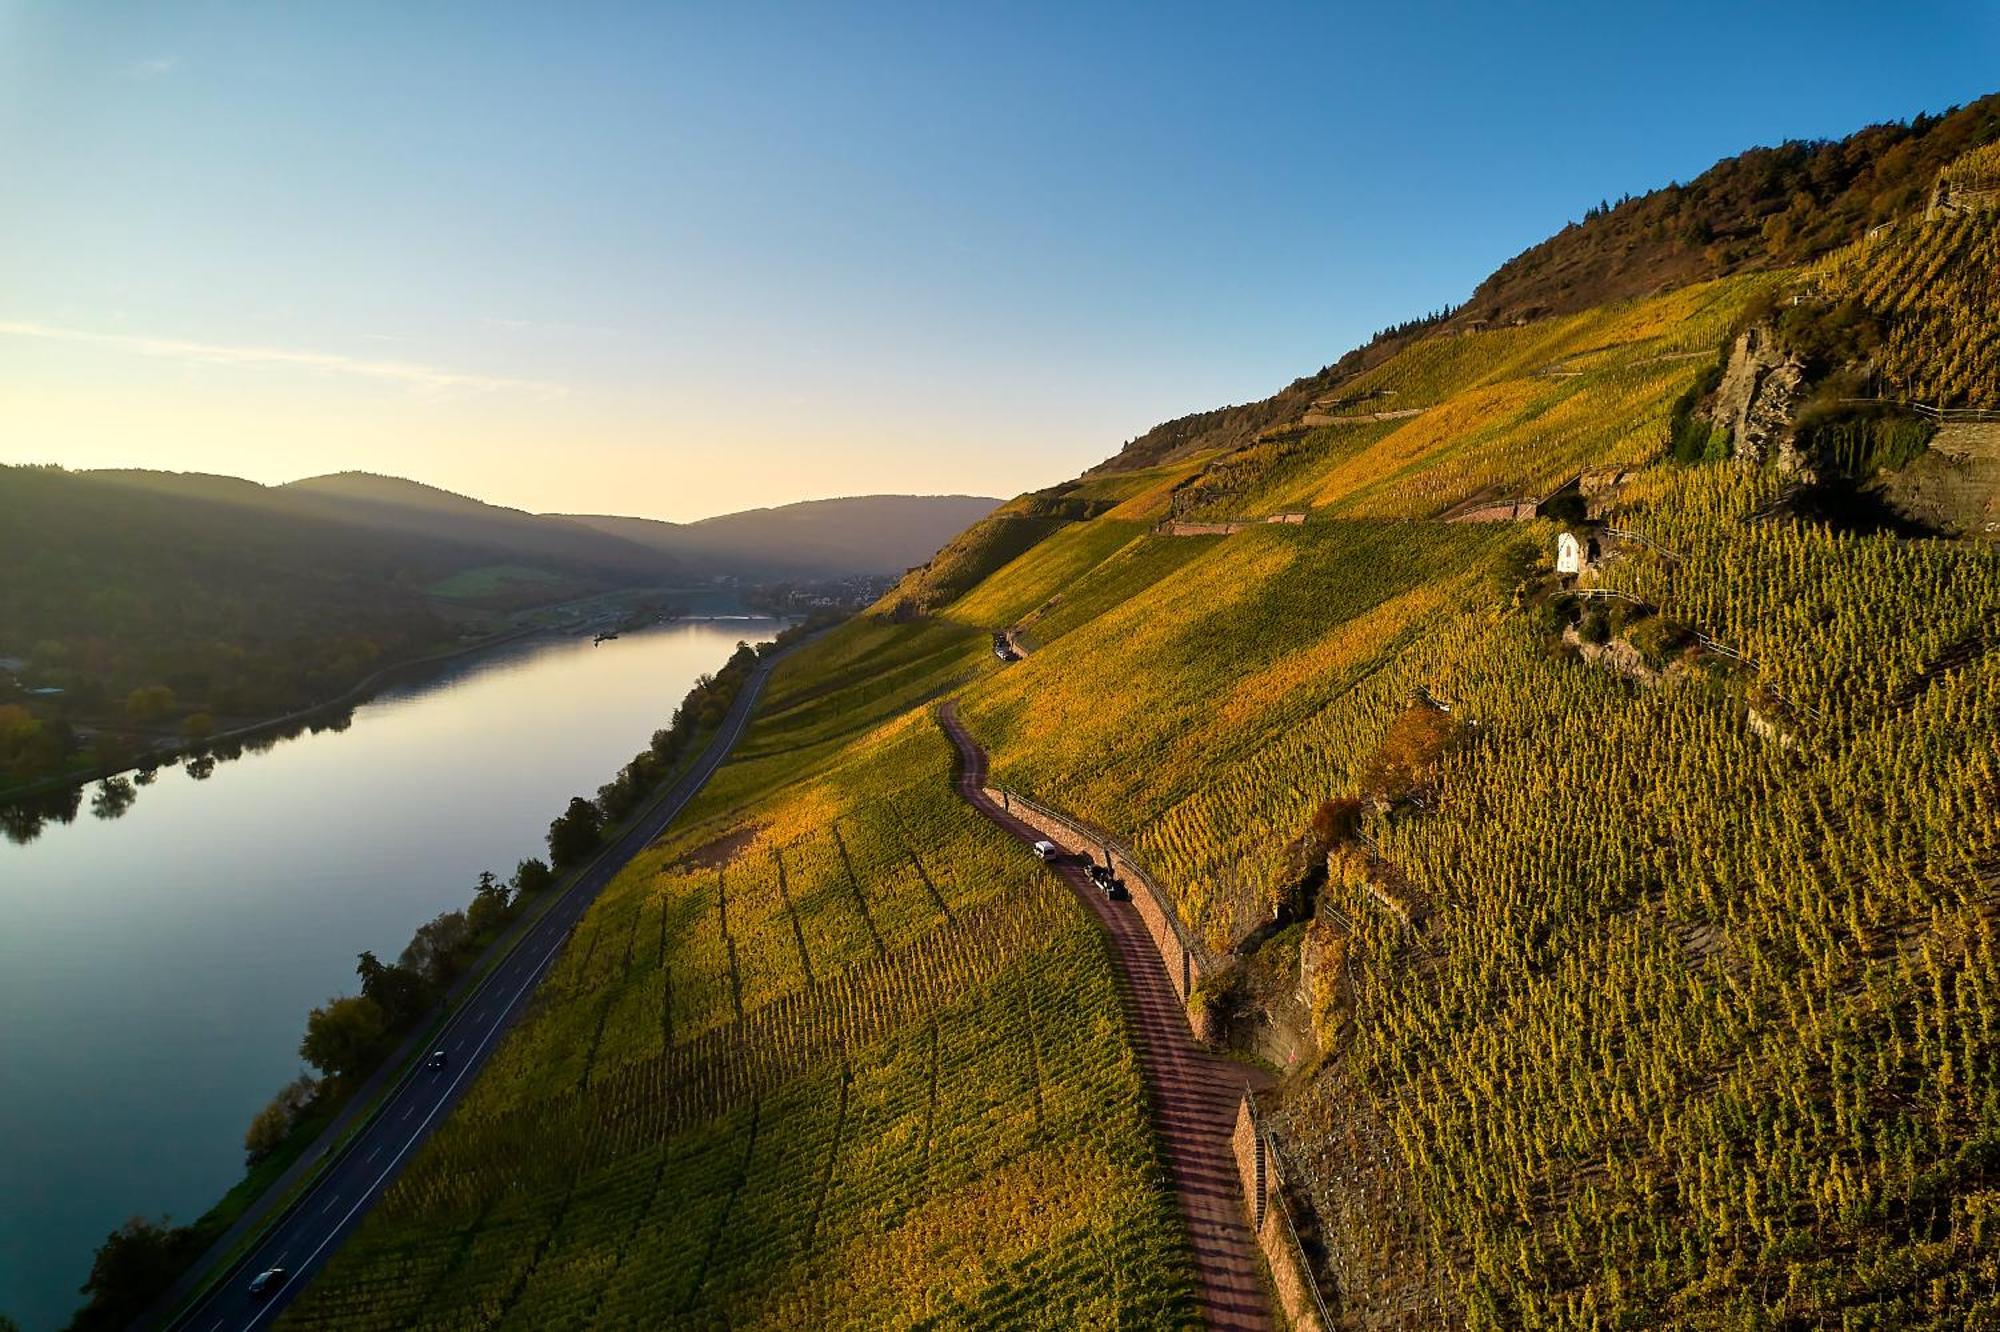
(156, 967)
(113, 797)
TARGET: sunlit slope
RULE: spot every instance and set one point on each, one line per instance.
(1699, 1026)
(857, 1061)
(1154, 701)
(1673, 999)
(1930, 287)
(1493, 413)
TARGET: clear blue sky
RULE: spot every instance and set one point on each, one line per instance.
(675, 261)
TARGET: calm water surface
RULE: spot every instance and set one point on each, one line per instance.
(156, 969)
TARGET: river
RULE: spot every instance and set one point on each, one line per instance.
(156, 968)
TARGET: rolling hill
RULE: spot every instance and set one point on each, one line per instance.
(242, 601)
(863, 534)
(1624, 932)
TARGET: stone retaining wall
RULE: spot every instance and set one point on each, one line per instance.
(1184, 966)
(1257, 1166)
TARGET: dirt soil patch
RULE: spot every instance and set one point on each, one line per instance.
(718, 852)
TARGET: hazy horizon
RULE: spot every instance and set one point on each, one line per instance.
(627, 512)
(681, 264)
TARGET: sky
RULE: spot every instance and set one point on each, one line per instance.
(680, 260)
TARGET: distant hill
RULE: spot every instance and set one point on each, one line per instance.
(243, 601)
(865, 534)
(392, 504)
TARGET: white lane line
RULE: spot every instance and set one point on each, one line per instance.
(329, 1205)
(409, 1142)
(534, 973)
(377, 1152)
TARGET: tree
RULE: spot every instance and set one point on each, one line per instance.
(149, 703)
(344, 1036)
(434, 951)
(1404, 759)
(1335, 822)
(576, 832)
(133, 1266)
(198, 727)
(490, 906)
(531, 876)
(402, 992)
(267, 1132)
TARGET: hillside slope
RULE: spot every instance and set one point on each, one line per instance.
(1764, 209)
(1626, 933)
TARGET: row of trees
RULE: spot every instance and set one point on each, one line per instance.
(347, 1037)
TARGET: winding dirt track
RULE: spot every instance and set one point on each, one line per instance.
(1194, 1093)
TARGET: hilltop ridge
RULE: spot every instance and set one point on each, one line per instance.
(1761, 209)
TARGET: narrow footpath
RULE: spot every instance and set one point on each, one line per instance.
(1194, 1093)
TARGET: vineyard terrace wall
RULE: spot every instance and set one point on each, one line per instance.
(1185, 963)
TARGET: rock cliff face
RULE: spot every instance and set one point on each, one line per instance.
(1760, 389)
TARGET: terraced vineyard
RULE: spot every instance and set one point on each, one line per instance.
(1699, 1023)
(843, 1056)
(1499, 413)
(1932, 285)
(1661, 990)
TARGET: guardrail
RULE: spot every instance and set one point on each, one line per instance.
(1939, 414)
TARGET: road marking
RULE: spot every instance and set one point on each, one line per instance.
(684, 793)
(377, 1152)
(404, 1150)
(329, 1204)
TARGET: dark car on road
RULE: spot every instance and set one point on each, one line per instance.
(267, 1281)
(1108, 882)
(435, 1059)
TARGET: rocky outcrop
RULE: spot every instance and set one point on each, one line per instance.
(1761, 386)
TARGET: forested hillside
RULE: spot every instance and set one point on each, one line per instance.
(145, 608)
(1603, 842)
(861, 534)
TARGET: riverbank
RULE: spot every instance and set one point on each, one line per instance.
(583, 615)
(300, 1228)
(182, 944)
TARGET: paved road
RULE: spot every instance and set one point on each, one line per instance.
(316, 1223)
(1194, 1093)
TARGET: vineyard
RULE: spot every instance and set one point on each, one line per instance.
(1500, 413)
(857, 1061)
(1934, 289)
(1660, 991)
(1699, 1023)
